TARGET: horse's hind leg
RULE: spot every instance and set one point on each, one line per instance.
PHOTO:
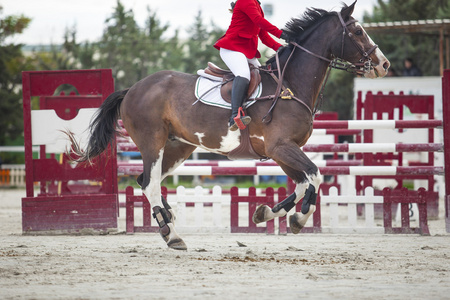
(153, 157)
(175, 153)
(166, 205)
(307, 178)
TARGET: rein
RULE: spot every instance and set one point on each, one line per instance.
(364, 66)
(286, 94)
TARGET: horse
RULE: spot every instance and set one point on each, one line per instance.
(160, 117)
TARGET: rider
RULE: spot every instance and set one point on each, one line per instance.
(238, 48)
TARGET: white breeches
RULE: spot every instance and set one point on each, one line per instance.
(237, 62)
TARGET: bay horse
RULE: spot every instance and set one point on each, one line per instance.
(160, 117)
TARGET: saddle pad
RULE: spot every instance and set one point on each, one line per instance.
(207, 91)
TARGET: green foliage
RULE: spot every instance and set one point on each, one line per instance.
(199, 50)
(11, 64)
(120, 47)
(11, 25)
(133, 52)
(423, 48)
(338, 96)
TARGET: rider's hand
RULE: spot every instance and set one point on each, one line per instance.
(284, 36)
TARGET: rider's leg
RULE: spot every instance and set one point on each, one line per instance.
(238, 95)
(238, 64)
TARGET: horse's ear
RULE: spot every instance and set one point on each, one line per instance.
(347, 11)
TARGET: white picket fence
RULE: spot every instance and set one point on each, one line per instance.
(333, 202)
(210, 212)
(16, 175)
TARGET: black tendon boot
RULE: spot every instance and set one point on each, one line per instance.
(238, 95)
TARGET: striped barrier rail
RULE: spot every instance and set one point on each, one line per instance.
(342, 148)
(366, 124)
(132, 169)
(247, 163)
(377, 124)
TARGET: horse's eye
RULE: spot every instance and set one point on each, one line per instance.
(358, 32)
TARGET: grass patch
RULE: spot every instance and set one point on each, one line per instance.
(188, 182)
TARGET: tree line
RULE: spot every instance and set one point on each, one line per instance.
(133, 52)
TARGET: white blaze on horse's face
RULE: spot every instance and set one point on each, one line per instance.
(380, 69)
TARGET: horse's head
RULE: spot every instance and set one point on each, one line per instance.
(354, 45)
(337, 38)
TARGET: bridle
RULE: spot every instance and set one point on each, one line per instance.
(364, 66)
(365, 62)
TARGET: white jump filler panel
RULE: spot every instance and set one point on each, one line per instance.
(47, 129)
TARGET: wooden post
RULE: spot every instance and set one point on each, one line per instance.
(447, 52)
(446, 122)
(441, 51)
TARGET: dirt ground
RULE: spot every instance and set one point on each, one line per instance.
(140, 266)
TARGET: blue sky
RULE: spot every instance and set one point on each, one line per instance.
(50, 18)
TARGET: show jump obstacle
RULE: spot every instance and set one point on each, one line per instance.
(63, 206)
(59, 206)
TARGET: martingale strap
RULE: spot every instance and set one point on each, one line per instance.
(287, 93)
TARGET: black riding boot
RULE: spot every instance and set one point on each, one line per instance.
(238, 95)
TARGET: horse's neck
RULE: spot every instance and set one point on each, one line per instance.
(305, 73)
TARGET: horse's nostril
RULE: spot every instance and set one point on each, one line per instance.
(386, 65)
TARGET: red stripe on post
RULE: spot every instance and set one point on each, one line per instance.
(335, 170)
(419, 147)
(399, 124)
(326, 148)
(234, 171)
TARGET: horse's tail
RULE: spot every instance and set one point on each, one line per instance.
(102, 128)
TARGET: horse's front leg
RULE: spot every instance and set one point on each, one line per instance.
(307, 178)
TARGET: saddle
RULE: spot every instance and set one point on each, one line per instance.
(227, 80)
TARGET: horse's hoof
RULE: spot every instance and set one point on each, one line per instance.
(177, 244)
(259, 215)
(294, 223)
(171, 237)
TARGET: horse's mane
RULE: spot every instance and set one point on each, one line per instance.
(297, 29)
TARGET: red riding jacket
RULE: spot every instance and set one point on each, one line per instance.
(247, 24)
